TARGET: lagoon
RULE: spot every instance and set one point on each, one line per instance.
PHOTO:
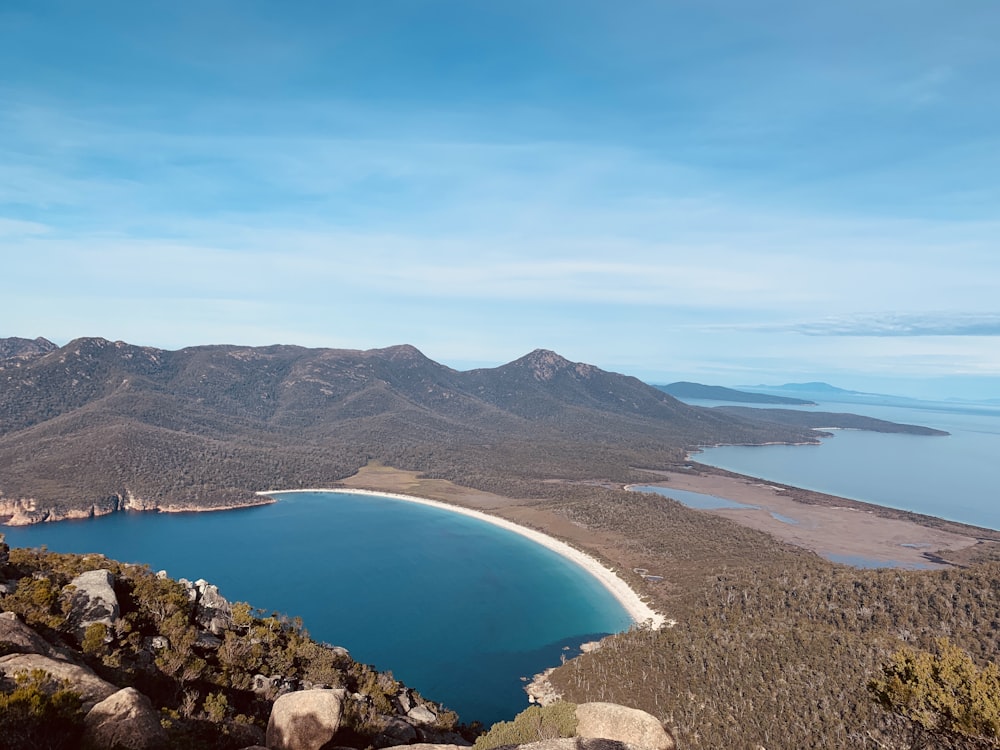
(457, 608)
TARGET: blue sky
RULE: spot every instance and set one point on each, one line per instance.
(723, 191)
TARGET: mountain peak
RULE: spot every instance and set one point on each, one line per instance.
(545, 364)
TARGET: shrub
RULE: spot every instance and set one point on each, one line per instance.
(531, 725)
(39, 713)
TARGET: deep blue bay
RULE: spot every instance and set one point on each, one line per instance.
(456, 607)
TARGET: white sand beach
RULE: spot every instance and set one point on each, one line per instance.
(640, 612)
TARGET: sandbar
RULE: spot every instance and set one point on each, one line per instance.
(638, 610)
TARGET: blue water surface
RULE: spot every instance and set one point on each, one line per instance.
(457, 608)
(955, 477)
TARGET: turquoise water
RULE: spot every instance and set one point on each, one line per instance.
(955, 477)
(457, 608)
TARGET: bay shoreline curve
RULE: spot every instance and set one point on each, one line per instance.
(637, 609)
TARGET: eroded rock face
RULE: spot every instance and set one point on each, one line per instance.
(213, 611)
(18, 638)
(92, 600)
(305, 720)
(125, 720)
(91, 688)
(631, 726)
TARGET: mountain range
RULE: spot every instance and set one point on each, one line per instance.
(96, 424)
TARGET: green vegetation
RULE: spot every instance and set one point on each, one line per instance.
(531, 725)
(773, 647)
(39, 713)
(944, 694)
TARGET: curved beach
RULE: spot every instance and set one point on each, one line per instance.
(640, 612)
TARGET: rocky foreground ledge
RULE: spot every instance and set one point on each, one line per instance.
(99, 654)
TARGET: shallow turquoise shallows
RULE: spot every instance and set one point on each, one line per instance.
(457, 608)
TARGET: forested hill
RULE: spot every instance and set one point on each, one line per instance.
(100, 422)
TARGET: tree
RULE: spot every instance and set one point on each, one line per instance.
(948, 700)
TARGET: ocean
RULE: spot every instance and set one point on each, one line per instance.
(955, 477)
(457, 608)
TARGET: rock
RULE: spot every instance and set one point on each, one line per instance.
(396, 732)
(214, 610)
(305, 720)
(92, 600)
(7, 587)
(91, 688)
(610, 721)
(18, 638)
(207, 642)
(421, 715)
(125, 720)
(575, 743)
(4, 551)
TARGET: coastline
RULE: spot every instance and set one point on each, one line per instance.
(638, 610)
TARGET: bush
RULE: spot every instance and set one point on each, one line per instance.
(39, 713)
(531, 725)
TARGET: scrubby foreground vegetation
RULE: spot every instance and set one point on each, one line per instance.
(211, 670)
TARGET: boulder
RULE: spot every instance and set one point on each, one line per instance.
(18, 638)
(305, 720)
(125, 720)
(396, 732)
(421, 715)
(214, 610)
(575, 743)
(91, 688)
(92, 600)
(631, 726)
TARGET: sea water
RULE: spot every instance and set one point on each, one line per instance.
(956, 477)
(457, 608)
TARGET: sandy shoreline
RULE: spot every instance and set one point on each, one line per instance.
(637, 609)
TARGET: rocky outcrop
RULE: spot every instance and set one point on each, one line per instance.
(26, 511)
(91, 600)
(630, 726)
(18, 638)
(125, 720)
(91, 688)
(305, 720)
(213, 611)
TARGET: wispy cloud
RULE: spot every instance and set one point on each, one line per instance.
(892, 325)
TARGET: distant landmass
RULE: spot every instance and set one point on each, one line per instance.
(821, 419)
(684, 389)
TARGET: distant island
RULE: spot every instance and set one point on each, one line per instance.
(687, 390)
